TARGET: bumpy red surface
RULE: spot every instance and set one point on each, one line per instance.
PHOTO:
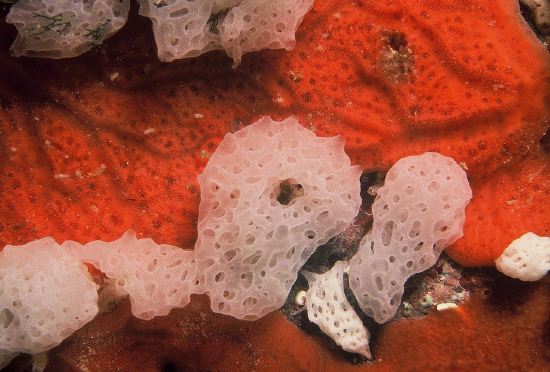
(495, 332)
(113, 140)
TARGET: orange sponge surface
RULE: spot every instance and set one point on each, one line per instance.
(113, 140)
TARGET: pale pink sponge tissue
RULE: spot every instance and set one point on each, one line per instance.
(270, 195)
(46, 293)
(182, 28)
(328, 307)
(157, 277)
(418, 212)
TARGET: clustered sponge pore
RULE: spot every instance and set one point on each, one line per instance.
(270, 195)
(157, 277)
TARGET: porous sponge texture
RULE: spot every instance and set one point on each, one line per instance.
(181, 27)
(417, 213)
(255, 25)
(157, 277)
(527, 258)
(270, 194)
(46, 293)
(64, 28)
(186, 29)
(328, 307)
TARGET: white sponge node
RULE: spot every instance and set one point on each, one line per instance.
(526, 258)
(186, 29)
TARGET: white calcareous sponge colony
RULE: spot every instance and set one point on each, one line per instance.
(185, 28)
(64, 28)
(182, 28)
(328, 307)
(418, 212)
(270, 195)
(46, 293)
(157, 277)
(527, 258)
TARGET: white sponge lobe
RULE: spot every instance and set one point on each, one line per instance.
(186, 29)
(257, 25)
(64, 28)
(157, 277)
(270, 194)
(527, 258)
(418, 212)
(328, 307)
(46, 293)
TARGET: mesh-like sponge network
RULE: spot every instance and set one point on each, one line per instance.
(186, 29)
(46, 293)
(328, 307)
(417, 213)
(270, 195)
(64, 28)
(157, 277)
(526, 258)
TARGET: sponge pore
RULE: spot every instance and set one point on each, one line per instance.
(270, 194)
(418, 212)
(46, 293)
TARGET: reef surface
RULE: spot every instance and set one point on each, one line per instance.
(114, 139)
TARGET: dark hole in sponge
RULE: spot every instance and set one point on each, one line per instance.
(289, 191)
(169, 367)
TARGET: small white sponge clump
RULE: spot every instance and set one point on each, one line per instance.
(185, 28)
(270, 195)
(157, 277)
(64, 28)
(46, 293)
(527, 258)
(328, 307)
(418, 212)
